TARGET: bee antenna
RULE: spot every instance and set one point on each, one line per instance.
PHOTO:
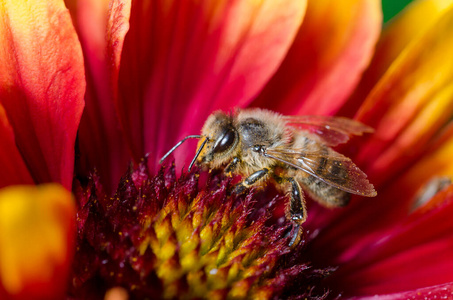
(177, 145)
(198, 153)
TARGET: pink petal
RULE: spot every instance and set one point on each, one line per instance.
(101, 142)
(332, 48)
(413, 252)
(441, 291)
(42, 85)
(425, 265)
(182, 60)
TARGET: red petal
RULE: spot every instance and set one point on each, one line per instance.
(13, 170)
(414, 253)
(333, 46)
(183, 59)
(42, 85)
(102, 31)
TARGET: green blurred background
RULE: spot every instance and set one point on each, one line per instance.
(392, 7)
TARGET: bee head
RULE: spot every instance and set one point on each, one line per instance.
(219, 140)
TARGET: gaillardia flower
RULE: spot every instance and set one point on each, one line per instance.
(93, 93)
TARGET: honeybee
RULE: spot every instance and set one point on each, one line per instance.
(293, 151)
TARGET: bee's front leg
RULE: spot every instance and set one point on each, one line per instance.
(250, 180)
(296, 210)
(232, 166)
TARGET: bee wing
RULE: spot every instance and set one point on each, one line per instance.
(331, 130)
(332, 168)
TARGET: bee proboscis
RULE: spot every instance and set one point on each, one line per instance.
(293, 151)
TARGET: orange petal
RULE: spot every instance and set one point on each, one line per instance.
(37, 226)
(102, 31)
(13, 170)
(333, 47)
(416, 18)
(435, 163)
(412, 101)
(182, 59)
(42, 84)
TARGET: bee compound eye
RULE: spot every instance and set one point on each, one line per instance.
(225, 141)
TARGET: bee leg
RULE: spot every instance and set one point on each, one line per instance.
(252, 179)
(296, 233)
(297, 212)
(231, 166)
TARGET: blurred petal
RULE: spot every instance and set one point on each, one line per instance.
(13, 170)
(333, 47)
(42, 84)
(181, 60)
(36, 237)
(412, 101)
(116, 293)
(399, 33)
(102, 30)
(436, 162)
